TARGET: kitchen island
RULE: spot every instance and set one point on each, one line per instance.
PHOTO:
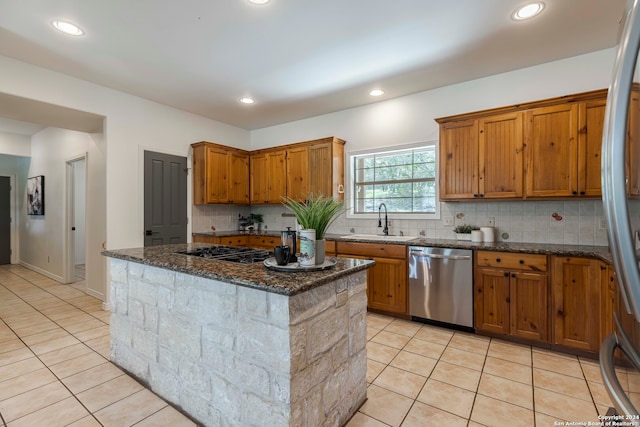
(239, 344)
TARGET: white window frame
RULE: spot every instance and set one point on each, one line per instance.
(349, 174)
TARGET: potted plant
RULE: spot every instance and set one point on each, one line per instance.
(316, 213)
(463, 232)
(256, 218)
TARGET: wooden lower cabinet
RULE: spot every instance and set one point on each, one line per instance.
(227, 240)
(511, 303)
(576, 313)
(264, 242)
(387, 281)
(511, 294)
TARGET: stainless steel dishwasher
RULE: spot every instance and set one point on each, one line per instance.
(441, 286)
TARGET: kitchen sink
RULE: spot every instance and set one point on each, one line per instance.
(378, 237)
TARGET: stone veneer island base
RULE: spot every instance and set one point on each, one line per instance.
(231, 355)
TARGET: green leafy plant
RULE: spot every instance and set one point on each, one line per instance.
(255, 218)
(317, 213)
(465, 229)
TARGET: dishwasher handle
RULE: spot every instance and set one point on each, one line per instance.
(438, 256)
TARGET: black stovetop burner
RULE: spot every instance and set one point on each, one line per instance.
(236, 254)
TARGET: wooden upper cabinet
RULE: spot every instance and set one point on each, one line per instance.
(590, 128)
(296, 170)
(238, 177)
(633, 144)
(297, 173)
(268, 177)
(551, 141)
(500, 156)
(220, 174)
(459, 160)
(543, 149)
(326, 169)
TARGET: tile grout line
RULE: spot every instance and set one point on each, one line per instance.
(43, 363)
(81, 341)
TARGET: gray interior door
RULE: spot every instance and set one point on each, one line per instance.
(5, 220)
(165, 199)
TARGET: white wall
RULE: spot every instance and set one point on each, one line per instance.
(42, 238)
(14, 144)
(132, 125)
(411, 119)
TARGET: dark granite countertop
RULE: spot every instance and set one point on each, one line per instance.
(254, 275)
(599, 252)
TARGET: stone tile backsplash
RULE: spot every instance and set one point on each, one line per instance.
(563, 222)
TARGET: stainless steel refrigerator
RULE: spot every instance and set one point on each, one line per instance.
(620, 351)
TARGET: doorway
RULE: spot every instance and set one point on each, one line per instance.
(75, 206)
(5, 220)
(165, 199)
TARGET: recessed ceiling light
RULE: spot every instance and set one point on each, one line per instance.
(376, 92)
(258, 1)
(246, 100)
(528, 11)
(67, 28)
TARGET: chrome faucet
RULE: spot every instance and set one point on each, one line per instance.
(385, 230)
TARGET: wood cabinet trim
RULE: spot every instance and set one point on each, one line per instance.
(567, 99)
(372, 250)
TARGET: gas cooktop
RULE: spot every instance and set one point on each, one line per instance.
(237, 254)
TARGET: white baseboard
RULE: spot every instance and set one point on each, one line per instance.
(43, 272)
(95, 294)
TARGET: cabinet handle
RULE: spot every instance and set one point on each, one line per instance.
(508, 299)
(574, 192)
(506, 274)
(582, 193)
(482, 195)
(521, 261)
(513, 275)
(475, 195)
(497, 259)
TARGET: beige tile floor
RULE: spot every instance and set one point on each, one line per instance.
(422, 375)
(54, 360)
(55, 371)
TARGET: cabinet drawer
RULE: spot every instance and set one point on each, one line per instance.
(198, 238)
(372, 250)
(510, 260)
(265, 242)
(234, 240)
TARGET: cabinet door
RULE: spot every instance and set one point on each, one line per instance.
(320, 170)
(491, 303)
(590, 127)
(297, 172)
(576, 302)
(608, 281)
(238, 178)
(264, 242)
(277, 176)
(199, 238)
(259, 178)
(216, 176)
(387, 285)
(551, 164)
(459, 160)
(529, 308)
(633, 144)
(500, 156)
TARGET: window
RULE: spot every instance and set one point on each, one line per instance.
(404, 179)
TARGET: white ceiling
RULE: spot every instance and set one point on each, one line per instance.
(297, 58)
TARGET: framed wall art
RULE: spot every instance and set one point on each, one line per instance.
(35, 195)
